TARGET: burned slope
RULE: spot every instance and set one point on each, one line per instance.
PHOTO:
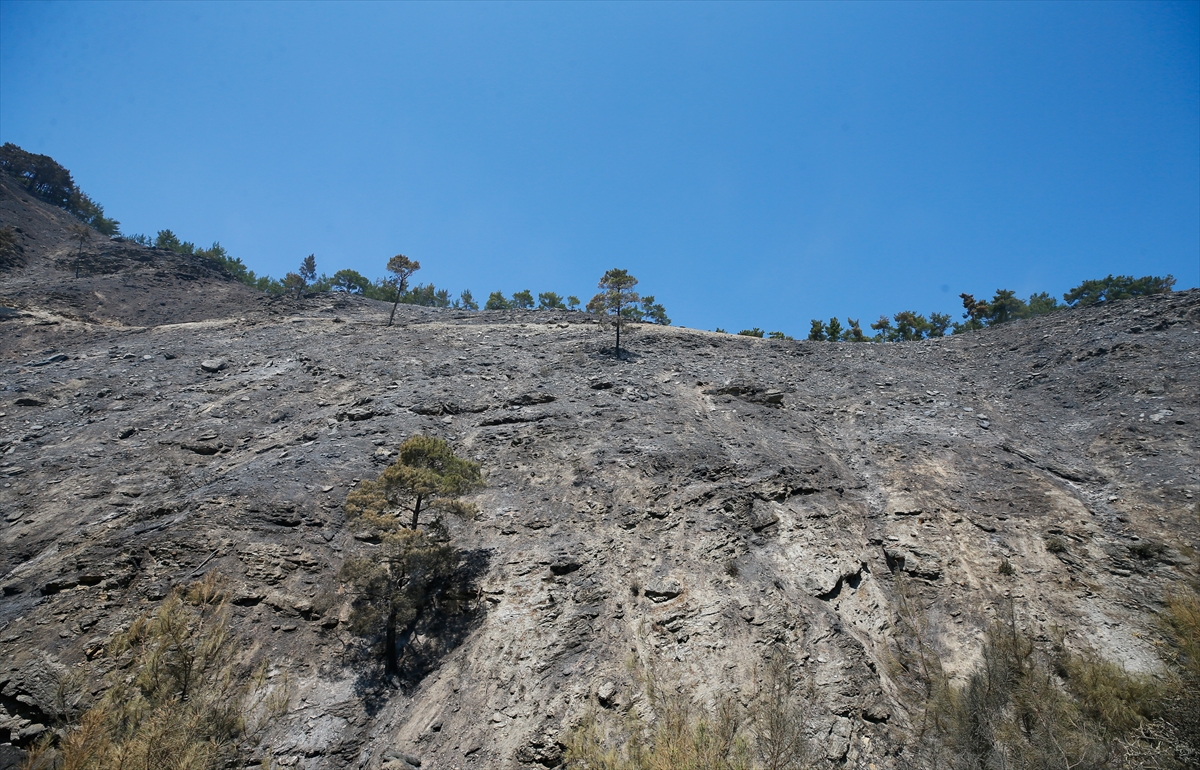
(689, 507)
(106, 280)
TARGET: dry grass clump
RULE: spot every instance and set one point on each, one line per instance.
(676, 734)
(1024, 707)
(176, 700)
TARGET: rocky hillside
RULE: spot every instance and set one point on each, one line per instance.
(683, 509)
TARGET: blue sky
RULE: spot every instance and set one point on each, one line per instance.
(753, 164)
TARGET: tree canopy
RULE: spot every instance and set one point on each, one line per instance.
(427, 477)
(548, 300)
(308, 268)
(617, 301)
(1117, 287)
(405, 576)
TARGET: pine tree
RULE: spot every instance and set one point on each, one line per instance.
(833, 330)
(884, 329)
(548, 300)
(401, 268)
(351, 281)
(394, 585)
(653, 312)
(616, 300)
(975, 312)
(938, 323)
(466, 301)
(293, 284)
(1117, 287)
(308, 269)
(1005, 306)
(82, 234)
(816, 331)
(910, 325)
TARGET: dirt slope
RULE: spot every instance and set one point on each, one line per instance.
(118, 282)
(688, 507)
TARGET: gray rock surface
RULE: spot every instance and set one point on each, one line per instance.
(688, 507)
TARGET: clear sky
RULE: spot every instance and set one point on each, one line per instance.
(753, 164)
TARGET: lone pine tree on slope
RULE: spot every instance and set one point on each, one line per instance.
(411, 567)
(617, 301)
(401, 268)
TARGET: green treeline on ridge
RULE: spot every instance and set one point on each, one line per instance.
(1004, 306)
(46, 179)
(49, 181)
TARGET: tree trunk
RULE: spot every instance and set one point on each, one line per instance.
(389, 644)
(618, 324)
(416, 519)
(394, 305)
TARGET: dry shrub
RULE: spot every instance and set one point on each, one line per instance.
(176, 701)
(1181, 722)
(1021, 707)
(677, 734)
(1012, 713)
(780, 715)
(1117, 701)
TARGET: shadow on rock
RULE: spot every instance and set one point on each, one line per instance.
(444, 623)
(611, 354)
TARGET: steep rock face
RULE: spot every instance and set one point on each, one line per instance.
(685, 508)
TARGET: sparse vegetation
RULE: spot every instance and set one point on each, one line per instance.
(178, 699)
(81, 234)
(671, 732)
(909, 325)
(10, 247)
(1147, 550)
(780, 715)
(1027, 707)
(1113, 288)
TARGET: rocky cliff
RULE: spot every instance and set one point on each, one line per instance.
(684, 509)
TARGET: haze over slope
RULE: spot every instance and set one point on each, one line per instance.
(690, 506)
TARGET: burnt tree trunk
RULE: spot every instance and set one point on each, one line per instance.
(416, 517)
(389, 643)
